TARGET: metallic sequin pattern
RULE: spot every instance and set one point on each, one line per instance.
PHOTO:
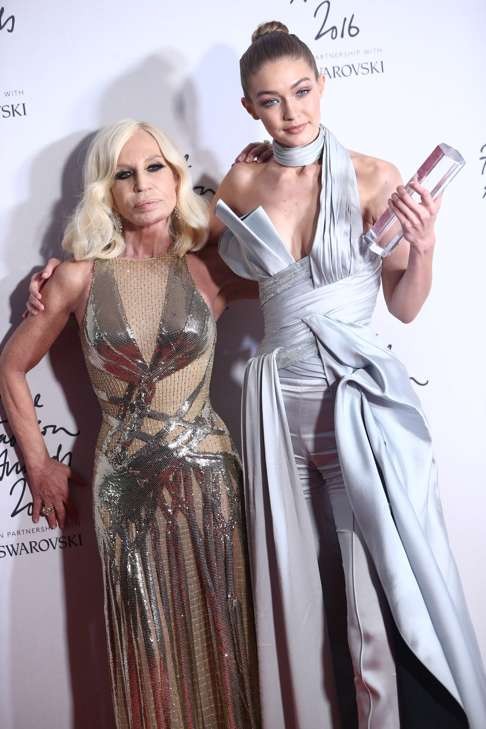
(167, 488)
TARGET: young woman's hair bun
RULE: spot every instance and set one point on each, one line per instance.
(270, 42)
(273, 26)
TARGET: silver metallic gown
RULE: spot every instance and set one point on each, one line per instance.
(167, 491)
(317, 314)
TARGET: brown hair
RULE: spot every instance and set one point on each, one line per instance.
(269, 42)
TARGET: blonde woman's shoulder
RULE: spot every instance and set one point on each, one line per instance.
(73, 274)
(69, 285)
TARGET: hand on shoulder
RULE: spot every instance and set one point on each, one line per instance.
(68, 286)
(67, 275)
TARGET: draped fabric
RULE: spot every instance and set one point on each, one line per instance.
(322, 305)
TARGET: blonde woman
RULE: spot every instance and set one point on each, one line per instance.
(167, 479)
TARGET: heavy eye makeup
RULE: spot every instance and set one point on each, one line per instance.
(125, 172)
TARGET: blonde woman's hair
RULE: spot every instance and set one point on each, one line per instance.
(94, 229)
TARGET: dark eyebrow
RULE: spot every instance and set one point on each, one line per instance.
(275, 93)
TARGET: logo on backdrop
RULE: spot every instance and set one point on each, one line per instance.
(34, 546)
(482, 159)
(199, 189)
(337, 27)
(7, 22)
(13, 484)
(420, 383)
(331, 24)
(13, 104)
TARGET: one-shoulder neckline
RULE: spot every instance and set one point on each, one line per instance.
(260, 210)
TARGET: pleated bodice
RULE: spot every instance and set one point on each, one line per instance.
(148, 339)
(339, 278)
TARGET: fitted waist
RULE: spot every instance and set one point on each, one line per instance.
(296, 341)
(121, 440)
(290, 297)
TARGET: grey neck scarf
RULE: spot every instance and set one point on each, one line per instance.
(299, 156)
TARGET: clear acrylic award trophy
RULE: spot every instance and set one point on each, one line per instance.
(435, 173)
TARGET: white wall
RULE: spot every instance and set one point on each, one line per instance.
(65, 70)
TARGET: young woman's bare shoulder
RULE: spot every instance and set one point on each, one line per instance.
(241, 178)
(374, 171)
(376, 178)
(244, 172)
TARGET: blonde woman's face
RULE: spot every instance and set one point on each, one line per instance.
(144, 190)
(286, 96)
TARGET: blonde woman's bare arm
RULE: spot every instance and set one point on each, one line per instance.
(48, 480)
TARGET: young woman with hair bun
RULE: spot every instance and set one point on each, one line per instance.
(361, 619)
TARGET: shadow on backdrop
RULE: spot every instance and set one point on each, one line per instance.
(82, 581)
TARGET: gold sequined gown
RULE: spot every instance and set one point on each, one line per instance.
(167, 487)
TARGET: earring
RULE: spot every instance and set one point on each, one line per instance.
(176, 213)
(117, 222)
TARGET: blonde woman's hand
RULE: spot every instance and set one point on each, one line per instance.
(34, 303)
(255, 152)
(49, 486)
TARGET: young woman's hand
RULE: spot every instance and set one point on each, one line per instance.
(34, 303)
(256, 152)
(417, 218)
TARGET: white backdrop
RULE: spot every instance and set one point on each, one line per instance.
(400, 79)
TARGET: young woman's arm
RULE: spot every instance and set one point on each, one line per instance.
(65, 293)
(407, 272)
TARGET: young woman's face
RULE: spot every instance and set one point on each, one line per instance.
(144, 190)
(285, 95)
